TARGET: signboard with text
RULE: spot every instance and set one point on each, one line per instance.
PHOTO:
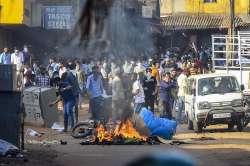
(147, 12)
(58, 17)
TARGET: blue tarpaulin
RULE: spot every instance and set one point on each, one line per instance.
(161, 127)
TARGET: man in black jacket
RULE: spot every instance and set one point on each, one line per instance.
(149, 86)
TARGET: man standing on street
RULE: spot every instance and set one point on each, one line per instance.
(166, 85)
(26, 56)
(72, 79)
(95, 90)
(138, 93)
(42, 80)
(118, 96)
(66, 94)
(17, 59)
(149, 86)
(5, 57)
(182, 84)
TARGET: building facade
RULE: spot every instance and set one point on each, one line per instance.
(40, 24)
(202, 14)
(197, 20)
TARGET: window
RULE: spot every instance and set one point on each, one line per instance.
(218, 85)
(210, 1)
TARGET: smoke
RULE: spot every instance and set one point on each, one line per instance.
(110, 27)
(129, 35)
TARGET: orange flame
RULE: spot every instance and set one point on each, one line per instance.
(103, 135)
(125, 130)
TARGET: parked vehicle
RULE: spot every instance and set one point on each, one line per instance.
(246, 103)
(214, 99)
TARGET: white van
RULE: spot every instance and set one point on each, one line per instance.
(214, 99)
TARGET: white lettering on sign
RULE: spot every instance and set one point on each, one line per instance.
(58, 17)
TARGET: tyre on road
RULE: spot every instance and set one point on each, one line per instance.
(81, 130)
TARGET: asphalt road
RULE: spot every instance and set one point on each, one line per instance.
(215, 146)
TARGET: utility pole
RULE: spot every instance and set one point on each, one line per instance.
(232, 17)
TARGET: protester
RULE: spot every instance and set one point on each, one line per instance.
(66, 94)
(42, 80)
(182, 89)
(17, 59)
(72, 80)
(118, 96)
(27, 78)
(204, 60)
(81, 78)
(62, 68)
(35, 68)
(5, 57)
(128, 67)
(193, 70)
(174, 91)
(155, 71)
(85, 67)
(95, 90)
(26, 55)
(149, 85)
(138, 93)
(53, 65)
(165, 96)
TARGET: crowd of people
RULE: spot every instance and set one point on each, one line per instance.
(158, 83)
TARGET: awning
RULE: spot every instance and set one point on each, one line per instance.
(180, 22)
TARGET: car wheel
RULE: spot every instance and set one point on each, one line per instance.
(190, 123)
(230, 126)
(240, 124)
(197, 126)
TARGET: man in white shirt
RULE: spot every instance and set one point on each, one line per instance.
(62, 69)
(138, 93)
(118, 96)
(182, 84)
(17, 59)
(139, 68)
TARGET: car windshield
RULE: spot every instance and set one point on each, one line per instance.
(217, 85)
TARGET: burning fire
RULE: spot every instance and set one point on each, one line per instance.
(125, 130)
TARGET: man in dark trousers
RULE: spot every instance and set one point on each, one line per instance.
(166, 98)
(149, 87)
(69, 100)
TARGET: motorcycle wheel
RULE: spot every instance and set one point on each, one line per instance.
(81, 130)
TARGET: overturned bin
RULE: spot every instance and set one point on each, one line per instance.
(37, 110)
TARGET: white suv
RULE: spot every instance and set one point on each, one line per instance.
(214, 99)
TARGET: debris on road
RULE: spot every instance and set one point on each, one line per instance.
(63, 142)
(7, 148)
(204, 139)
(33, 133)
(57, 126)
(45, 142)
(174, 142)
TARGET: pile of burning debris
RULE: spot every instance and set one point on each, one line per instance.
(122, 133)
